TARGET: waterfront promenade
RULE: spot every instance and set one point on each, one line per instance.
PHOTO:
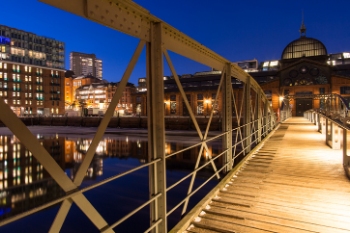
(293, 183)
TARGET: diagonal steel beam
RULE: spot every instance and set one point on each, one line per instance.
(108, 115)
(32, 144)
(18, 128)
(61, 216)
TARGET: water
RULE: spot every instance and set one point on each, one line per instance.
(24, 183)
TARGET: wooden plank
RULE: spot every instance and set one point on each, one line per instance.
(290, 213)
(285, 221)
(295, 187)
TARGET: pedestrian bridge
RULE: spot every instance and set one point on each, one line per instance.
(293, 183)
(288, 180)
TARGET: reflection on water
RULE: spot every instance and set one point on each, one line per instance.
(24, 183)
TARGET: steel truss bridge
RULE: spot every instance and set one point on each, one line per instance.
(255, 118)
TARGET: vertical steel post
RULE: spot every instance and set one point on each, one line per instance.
(327, 132)
(227, 118)
(346, 161)
(335, 136)
(323, 122)
(156, 127)
(247, 117)
(319, 123)
(266, 117)
(257, 117)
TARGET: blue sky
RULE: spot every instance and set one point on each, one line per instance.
(237, 30)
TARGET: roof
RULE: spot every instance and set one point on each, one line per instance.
(304, 47)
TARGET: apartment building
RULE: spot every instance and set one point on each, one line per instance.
(85, 64)
(32, 90)
(28, 48)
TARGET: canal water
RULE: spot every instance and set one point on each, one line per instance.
(25, 185)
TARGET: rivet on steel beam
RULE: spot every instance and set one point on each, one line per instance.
(102, 17)
(112, 21)
(116, 16)
(107, 12)
(91, 13)
(96, 6)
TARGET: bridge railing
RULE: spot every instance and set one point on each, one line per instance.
(333, 121)
(255, 118)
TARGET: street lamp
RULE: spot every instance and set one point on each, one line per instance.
(207, 102)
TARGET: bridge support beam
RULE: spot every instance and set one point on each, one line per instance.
(328, 131)
(227, 118)
(318, 122)
(323, 126)
(336, 136)
(346, 157)
(247, 117)
(266, 118)
(333, 135)
(257, 118)
(156, 128)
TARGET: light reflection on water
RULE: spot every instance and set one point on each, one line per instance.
(24, 183)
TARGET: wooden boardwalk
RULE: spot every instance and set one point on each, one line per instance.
(293, 183)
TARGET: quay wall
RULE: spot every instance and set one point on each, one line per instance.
(171, 123)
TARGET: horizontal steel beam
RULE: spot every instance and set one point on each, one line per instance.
(130, 18)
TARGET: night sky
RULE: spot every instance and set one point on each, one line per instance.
(236, 30)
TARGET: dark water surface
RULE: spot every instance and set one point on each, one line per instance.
(24, 183)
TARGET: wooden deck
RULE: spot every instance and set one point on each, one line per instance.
(293, 183)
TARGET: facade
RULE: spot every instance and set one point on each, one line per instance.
(72, 83)
(28, 48)
(32, 90)
(95, 98)
(304, 76)
(200, 89)
(85, 64)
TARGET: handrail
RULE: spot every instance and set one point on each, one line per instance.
(254, 116)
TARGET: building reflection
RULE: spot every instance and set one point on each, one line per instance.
(25, 184)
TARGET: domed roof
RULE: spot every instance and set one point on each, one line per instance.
(304, 47)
